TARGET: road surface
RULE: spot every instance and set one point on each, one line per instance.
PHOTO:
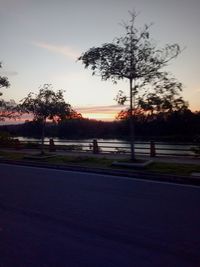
(54, 218)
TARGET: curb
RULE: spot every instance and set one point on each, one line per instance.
(134, 165)
(140, 174)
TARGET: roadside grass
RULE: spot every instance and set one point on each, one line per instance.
(11, 156)
(173, 168)
(81, 160)
(103, 162)
(131, 161)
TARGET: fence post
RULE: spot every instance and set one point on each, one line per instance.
(51, 145)
(95, 147)
(152, 149)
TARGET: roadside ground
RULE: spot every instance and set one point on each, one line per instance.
(163, 167)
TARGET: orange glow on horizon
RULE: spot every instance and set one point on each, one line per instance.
(92, 116)
(99, 116)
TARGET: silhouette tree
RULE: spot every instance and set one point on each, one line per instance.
(135, 57)
(3, 81)
(7, 108)
(164, 97)
(46, 105)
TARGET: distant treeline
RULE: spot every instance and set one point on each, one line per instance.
(176, 126)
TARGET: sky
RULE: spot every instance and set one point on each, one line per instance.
(40, 41)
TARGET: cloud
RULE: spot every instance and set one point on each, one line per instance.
(67, 51)
(100, 109)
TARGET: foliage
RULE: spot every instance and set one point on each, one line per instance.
(4, 136)
(6, 139)
(134, 56)
(162, 126)
(46, 105)
(163, 96)
(3, 81)
(8, 109)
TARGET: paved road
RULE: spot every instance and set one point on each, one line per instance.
(71, 219)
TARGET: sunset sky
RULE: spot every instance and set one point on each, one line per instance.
(42, 39)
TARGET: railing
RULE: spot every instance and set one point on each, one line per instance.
(115, 147)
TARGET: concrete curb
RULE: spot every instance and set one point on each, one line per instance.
(189, 180)
(133, 165)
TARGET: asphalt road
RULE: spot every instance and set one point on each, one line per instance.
(72, 219)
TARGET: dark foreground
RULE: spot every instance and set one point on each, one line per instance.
(61, 218)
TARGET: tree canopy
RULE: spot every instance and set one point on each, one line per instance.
(3, 81)
(47, 105)
(136, 57)
(7, 108)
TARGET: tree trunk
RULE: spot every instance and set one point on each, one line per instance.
(131, 120)
(43, 135)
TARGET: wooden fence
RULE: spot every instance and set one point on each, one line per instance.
(150, 148)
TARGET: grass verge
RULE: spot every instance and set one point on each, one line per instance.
(173, 168)
(81, 161)
(157, 167)
(11, 155)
